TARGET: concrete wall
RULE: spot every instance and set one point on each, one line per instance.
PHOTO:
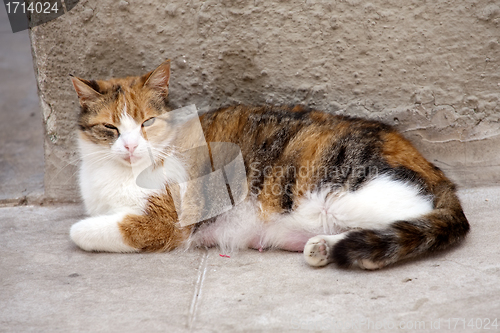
(432, 68)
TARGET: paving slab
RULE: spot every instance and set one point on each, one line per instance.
(47, 284)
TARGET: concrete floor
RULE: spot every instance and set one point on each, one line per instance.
(47, 284)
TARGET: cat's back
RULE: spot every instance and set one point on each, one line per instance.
(241, 123)
(304, 139)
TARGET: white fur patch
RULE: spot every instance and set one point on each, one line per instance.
(108, 186)
(318, 249)
(378, 203)
(130, 134)
(238, 228)
(100, 233)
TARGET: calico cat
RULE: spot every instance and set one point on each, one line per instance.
(344, 190)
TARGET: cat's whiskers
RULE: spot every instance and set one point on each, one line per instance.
(102, 156)
(72, 162)
(163, 154)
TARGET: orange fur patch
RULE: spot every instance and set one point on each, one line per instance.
(157, 229)
(399, 152)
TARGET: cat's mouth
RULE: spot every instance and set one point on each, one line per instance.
(131, 159)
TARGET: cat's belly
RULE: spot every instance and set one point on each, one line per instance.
(297, 241)
(294, 241)
(242, 228)
(291, 241)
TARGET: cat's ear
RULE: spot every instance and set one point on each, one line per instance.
(159, 78)
(85, 89)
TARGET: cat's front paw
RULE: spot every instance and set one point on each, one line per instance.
(317, 251)
(100, 233)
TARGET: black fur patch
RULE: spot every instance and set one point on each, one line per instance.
(94, 85)
(354, 158)
(287, 186)
(378, 246)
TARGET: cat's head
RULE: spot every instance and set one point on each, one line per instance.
(118, 120)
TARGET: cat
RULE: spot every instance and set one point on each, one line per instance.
(339, 189)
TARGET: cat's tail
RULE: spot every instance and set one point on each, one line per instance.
(443, 227)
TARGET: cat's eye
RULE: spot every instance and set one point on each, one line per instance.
(110, 126)
(148, 122)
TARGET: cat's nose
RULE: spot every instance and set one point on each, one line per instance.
(130, 147)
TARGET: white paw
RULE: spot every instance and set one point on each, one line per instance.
(317, 249)
(369, 265)
(316, 252)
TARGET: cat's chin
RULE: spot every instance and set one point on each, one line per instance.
(131, 160)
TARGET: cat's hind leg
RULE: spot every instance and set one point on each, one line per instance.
(319, 251)
(374, 206)
(378, 244)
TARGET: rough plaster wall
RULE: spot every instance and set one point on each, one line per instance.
(432, 68)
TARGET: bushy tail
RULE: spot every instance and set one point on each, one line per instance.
(445, 226)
